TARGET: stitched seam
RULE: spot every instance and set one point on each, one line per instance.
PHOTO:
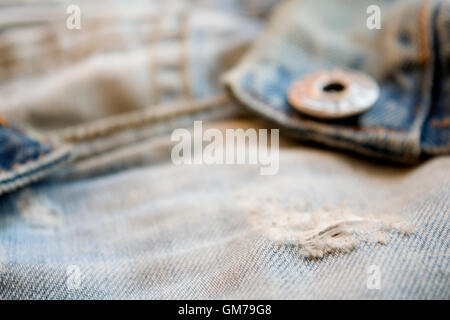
(31, 172)
(30, 135)
(424, 15)
(154, 63)
(85, 46)
(26, 167)
(185, 74)
(135, 119)
(321, 137)
(31, 177)
(306, 124)
(232, 78)
(440, 123)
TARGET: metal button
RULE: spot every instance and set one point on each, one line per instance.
(333, 94)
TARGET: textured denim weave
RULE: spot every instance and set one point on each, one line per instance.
(135, 226)
(24, 159)
(408, 56)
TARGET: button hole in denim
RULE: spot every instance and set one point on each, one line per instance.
(334, 87)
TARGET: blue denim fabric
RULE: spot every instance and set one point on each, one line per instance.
(126, 223)
(410, 118)
(65, 83)
(166, 232)
(24, 159)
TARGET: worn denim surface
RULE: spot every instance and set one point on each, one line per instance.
(124, 221)
(160, 231)
(408, 57)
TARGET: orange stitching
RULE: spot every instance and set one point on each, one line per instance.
(3, 121)
(440, 123)
(423, 31)
(187, 89)
(18, 164)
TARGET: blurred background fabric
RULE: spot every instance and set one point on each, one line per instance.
(126, 56)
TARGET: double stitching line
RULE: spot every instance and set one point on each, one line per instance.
(181, 36)
(135, 119)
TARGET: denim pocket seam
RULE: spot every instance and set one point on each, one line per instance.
(24, 174)
(130, 120)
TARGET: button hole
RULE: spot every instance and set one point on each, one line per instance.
(334, 87)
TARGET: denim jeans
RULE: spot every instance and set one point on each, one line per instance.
(109, 216)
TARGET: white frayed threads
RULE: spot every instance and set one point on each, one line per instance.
(322, 232)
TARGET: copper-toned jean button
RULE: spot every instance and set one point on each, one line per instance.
(333, 94)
